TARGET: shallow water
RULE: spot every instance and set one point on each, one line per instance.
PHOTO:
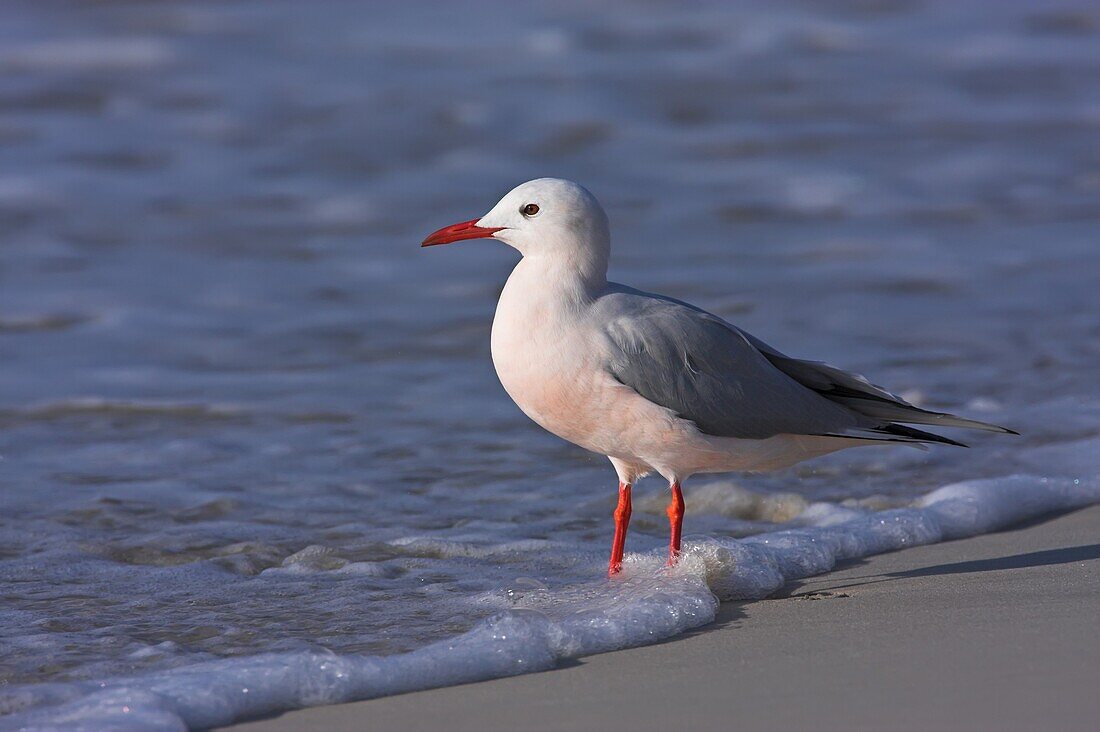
(243, 413)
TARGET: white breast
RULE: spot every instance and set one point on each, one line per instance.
(550, 359)
(541, 359)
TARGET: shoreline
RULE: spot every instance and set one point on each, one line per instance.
(993, 631)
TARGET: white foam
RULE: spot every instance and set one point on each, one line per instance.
(645, 604)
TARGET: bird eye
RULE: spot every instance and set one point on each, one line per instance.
(530, 209)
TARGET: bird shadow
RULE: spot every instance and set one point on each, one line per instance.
(1043, 558)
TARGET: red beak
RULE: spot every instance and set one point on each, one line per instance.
(458, 232)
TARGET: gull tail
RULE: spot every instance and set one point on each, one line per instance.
(901, 411)
(861, 396)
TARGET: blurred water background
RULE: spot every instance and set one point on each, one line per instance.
(242, 411)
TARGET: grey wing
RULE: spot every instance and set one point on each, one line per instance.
(706, 371)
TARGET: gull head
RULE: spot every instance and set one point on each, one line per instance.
(547, 218)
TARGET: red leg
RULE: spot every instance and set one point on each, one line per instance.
(675, 513)
(622, 520)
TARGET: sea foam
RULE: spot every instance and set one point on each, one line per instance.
(647, 603)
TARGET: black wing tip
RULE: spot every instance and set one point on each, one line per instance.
(985, 426)
(896, 433)
(906, 431)
(969, 424)
(900, 430)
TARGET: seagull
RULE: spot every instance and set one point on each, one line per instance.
(656, 384)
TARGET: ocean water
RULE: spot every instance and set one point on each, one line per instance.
(253, 454)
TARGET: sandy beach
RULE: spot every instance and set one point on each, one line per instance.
(993, 632)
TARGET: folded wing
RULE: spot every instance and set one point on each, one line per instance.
(731, 384)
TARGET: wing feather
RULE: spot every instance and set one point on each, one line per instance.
(706, 371)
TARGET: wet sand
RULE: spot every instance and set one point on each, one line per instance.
(1001, 631)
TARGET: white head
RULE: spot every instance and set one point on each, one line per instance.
(549, 219)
